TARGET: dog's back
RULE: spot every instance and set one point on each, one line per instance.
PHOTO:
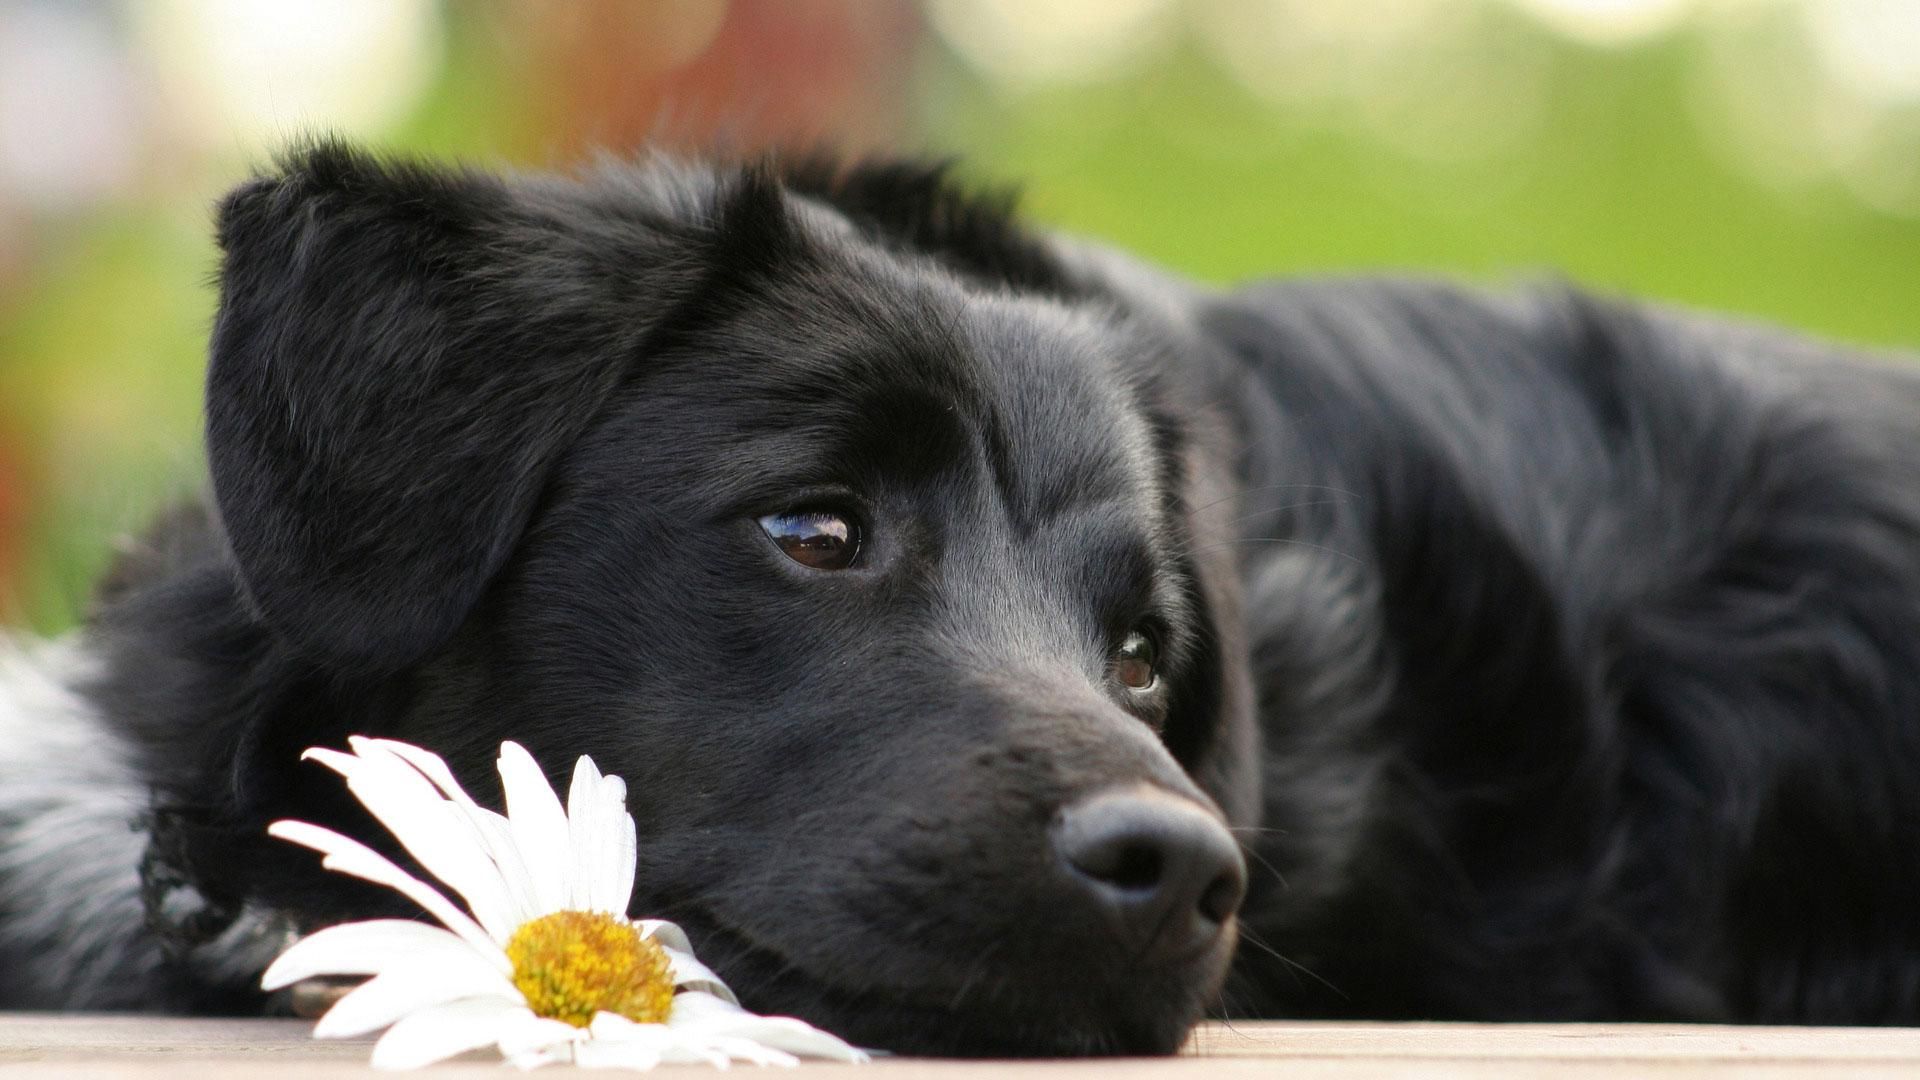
(1590, 643)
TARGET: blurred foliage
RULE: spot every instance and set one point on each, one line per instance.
(1616, 192)
(104, 305)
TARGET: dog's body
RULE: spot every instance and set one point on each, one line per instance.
(1550, 658)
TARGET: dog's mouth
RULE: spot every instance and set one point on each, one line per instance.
(984, 1006)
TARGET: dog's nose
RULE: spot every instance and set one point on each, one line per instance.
(1164, 871)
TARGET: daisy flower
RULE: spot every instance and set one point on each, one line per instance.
(541, 960)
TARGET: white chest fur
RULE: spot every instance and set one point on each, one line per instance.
(72, 929)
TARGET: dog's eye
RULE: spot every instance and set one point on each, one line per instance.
(819, 539)
(1133, 662)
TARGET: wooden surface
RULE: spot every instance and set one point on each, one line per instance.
(74, 1046)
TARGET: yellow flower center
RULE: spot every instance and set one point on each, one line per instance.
(572, 964)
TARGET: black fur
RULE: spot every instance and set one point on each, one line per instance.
(1554, 657)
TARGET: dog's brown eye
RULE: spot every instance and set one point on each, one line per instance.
(1133, 662)
(815, 538)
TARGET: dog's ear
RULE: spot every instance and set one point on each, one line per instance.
(399, 357)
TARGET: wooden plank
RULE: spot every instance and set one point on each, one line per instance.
(88, 1046)
(1559, 1042)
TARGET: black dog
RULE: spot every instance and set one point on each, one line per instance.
(953, 596)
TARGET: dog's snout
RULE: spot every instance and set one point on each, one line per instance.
(1164, 871)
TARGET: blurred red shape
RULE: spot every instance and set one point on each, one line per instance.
(741, 77)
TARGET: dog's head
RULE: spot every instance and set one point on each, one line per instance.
(883, 557)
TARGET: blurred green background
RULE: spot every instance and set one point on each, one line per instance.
(1756, 156)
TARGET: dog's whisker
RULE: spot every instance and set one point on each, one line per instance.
(1280, 509)
(1242, 495)
(980, 969)
(1223, 1012)
(1250, 938)
(1270, 868)
(1356, 560)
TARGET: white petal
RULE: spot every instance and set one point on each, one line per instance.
(349, 856)
(339, 762)
(589, 830)
(492, 827)
(690, 974)
(361, 948)
(526, 1034)
(441, 1031)
(704, 1015)
(685, 1052)
(695, 1007)
(802, 1040)
(594, 1054)
(497, 837)
(613, 880)
(619, 1043)
(668, 934)
(431, 829)
(399, 991)
(677, 1046)
(752, 1052)
(547, 1055)
(429, 765)
(539, 826)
